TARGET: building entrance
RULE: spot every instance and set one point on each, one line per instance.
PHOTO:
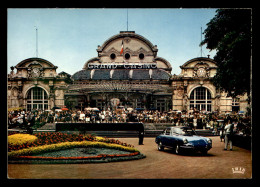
(200, 98)
(37, 99)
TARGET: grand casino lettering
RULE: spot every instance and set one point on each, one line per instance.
(123, 66)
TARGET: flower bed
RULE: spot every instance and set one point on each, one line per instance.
(20, 139)
(29, 152)
(76, 158)
(58, 137)
(67, 145)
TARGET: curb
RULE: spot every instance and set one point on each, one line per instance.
(102, 160)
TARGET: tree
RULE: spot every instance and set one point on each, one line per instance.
(229, 32)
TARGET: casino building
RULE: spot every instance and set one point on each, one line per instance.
(126, 72)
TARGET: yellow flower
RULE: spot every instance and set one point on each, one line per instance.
(19, 139)
(98, 138)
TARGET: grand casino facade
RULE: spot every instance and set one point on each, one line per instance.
(133, 77)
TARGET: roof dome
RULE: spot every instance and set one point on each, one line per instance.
(42, 62)
(193, 62)
(128, 34)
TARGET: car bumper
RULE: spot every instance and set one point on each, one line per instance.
(191, 147)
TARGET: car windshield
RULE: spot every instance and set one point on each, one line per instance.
(188, 132)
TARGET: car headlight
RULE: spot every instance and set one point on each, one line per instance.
(209, 140)
(185, 140)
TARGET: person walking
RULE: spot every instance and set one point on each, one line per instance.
(228, 135)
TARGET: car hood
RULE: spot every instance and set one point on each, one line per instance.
(195, 138)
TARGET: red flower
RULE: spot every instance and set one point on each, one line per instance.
(75, 158)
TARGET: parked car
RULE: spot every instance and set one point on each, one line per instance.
(183, 138)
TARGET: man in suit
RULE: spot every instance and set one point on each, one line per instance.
(228, 135)
(31, 122)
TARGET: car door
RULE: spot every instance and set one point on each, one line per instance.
(165, 136)
(173, 138)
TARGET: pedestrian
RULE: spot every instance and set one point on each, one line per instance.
(31, 123)
(221, 132)
(24, 123)
(190, 120)
(87, 117)
(204, 122)
(82, 117)
(73, 116)
(141, 137)
(60, 117)
(93, 117)
(215, 127)
(195, 122)
(124, 117)
(56, 117)
(199, 122)
(228, 135)
(211, 124)
(10, 122)
(102, 116)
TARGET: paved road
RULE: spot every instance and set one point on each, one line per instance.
(157, 165)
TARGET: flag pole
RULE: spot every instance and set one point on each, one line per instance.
(127, 19)
(201, 41)
(36, 41)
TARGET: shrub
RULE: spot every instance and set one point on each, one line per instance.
(38, 125)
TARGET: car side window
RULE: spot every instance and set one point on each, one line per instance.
(164, 132)
(167, 131)
(177, 131)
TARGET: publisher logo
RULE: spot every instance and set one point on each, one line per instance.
(240, 170)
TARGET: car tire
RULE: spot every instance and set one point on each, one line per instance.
(177, 149)
(160, 146)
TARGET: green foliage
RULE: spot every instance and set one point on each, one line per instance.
(38, 125)
(229, 32)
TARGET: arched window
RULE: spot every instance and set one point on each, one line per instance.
(200, 98)
(37, 98)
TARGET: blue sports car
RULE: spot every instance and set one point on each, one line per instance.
(183, 138)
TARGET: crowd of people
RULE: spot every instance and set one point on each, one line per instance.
(194, 119)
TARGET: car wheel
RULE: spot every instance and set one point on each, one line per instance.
(160, 146)
(177, 149)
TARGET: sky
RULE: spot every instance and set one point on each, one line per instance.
(69, 37)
